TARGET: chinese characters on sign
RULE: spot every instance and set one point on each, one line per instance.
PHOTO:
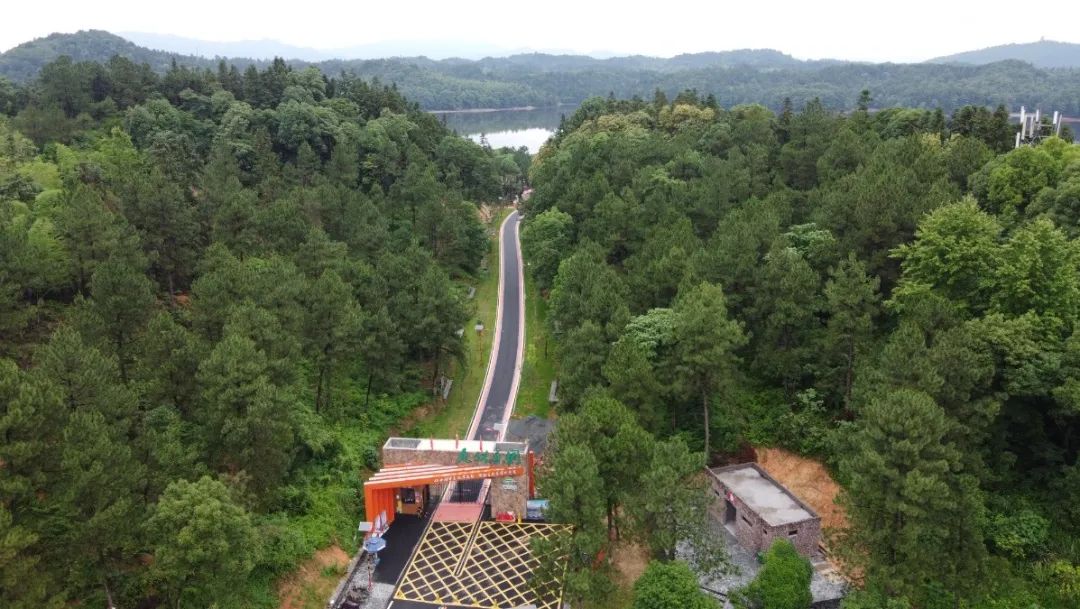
(490, 458)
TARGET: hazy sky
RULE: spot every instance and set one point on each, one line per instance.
(902, 30)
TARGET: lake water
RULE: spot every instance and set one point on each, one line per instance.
(513, 128)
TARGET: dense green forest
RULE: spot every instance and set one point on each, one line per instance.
(894, 293)
(217, 294)
(733, 77)
(221, 287)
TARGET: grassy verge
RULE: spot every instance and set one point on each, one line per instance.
(315, 580)
(538, 369)
(454, 416)
(620, 598)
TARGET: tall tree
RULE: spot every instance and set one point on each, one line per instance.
(204, 543)
(83, 379)
(672, 507)
(94, 515)
(247, 420)
(544, 242)
(633, 381)
(785, 325)
(23, 583)
(582, 352)
(851, 300)
(955, 253)
(573, 486)
(706, 340)
(121, 302)
(910, 504)
(166, 362)
(92, 234)
(167, 225)
(587, 289)
(332, 330)
(620, 446)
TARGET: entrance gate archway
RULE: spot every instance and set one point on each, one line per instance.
(380, 490)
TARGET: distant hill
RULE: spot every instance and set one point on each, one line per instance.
(23, 62)
(762, 76)
(159, 51)
(269, 49)
(1042, 54)
(757, 58)
(257, 49)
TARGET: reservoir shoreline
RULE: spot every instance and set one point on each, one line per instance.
(513, 109)
(507, 127)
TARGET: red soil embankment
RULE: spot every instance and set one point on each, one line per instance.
(808, 479)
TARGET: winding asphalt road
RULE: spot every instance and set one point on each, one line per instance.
(503, 376)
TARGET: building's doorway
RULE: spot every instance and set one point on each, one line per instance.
(729, 511)
(412, 500)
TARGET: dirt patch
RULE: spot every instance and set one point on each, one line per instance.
(808, 479)
(310, 585)
(629, 560)
(414, 418)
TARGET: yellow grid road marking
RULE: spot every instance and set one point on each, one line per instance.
(492, 561)
(465, 554)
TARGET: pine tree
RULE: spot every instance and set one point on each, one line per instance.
(168, 229)
(24, 436)
(619, 444)
(83, 379)
(204, 543)
(166, 361)
(582, 353)
(92, 234)
(632, 381)
(93, 514)
(24, 584)
(586, 288)
(121, 302)
(575, 491)
(332, 330)
(911, 506)
(706, 340)
(784, 322)
(851, 299)
(246, 419)
(671, 507)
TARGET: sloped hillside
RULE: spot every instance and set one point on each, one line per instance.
(23, 62)
(1042, 54)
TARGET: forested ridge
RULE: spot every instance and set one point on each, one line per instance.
(893, 293)
(762, 76)
(217, 295)
(1043, 53)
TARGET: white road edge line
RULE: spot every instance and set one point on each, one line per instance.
(495, 339)
(512, 400)
(489, 373)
